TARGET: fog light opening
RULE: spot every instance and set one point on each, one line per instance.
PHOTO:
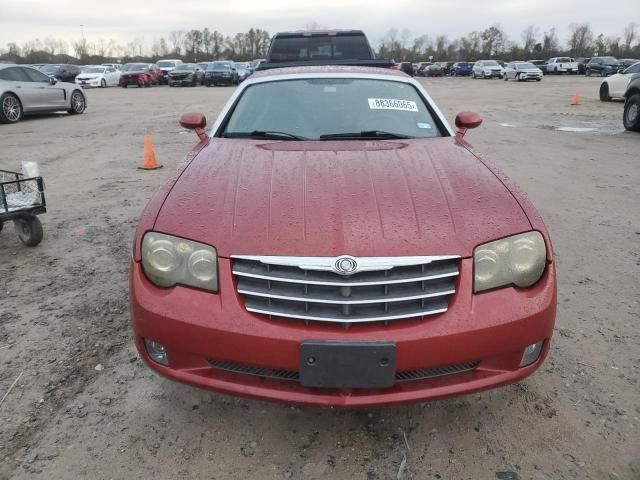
(531, 354)
(156, 351)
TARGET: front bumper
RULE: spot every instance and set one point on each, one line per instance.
(181, 81)
(491, 328)
(132, 81)
(219, 80)
(492, 74)
(94, 82)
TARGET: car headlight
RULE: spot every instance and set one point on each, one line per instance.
(519, 260)
(168, 261)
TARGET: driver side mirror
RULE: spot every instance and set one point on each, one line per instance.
(465, 121)
(52, 80)
(196, 122)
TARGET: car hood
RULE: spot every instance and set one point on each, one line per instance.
(135, 72)
(363, 198)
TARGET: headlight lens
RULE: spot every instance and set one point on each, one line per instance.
(168, 261)
(519, 260)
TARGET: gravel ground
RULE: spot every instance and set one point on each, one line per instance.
(85, 406)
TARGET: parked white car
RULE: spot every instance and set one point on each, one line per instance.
(487, 69)
(98, 76)
(615, 86)
(522, 71)
(558, 65)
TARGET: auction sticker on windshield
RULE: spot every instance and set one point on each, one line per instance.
(392, 104)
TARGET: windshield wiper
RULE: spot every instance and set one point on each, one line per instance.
(364, 134)
(270, 135)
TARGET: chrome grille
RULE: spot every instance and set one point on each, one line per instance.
(402, 376)
(309, 289)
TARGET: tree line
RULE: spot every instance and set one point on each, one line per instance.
(201, 45)
(187, 45)
(493, 43)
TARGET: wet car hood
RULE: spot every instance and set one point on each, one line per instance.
(363, 198)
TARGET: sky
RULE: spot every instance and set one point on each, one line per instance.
(124, 20)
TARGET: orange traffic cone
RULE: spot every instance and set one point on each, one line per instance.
(576, 99)
(150, 162)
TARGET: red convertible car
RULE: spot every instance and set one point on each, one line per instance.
(333, 241)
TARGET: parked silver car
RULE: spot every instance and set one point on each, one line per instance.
(486, 69)
(27, 91)
(522, 71)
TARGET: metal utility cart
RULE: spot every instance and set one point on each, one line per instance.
(21, 199)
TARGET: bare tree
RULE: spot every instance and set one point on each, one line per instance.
(629, 35)
(549, 43)
(177, 39)
(529, 37)
(139, 43)
(580, 40)
(494, 40)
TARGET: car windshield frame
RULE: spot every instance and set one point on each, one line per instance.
(99, 69)
(139, 67)
(438, 123)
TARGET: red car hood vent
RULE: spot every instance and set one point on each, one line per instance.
(415, 197)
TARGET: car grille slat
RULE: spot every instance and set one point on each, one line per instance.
(401, 376)
(381, 293)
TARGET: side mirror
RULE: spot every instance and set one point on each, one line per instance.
(194, 121)
(52, 80)
(465, 121)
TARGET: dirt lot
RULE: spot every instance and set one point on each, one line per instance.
(84, 406)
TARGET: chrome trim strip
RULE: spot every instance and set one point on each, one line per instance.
(346, 283)
(327, 264)
(346, 301)
(347, 320)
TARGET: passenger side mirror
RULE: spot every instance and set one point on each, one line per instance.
(465, 121)
(52, 80)
(196, 122)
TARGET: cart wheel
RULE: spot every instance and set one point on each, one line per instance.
(29, 230)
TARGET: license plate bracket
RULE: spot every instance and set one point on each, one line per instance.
(339, 364)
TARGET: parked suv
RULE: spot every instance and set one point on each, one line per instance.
(461, 69)
(603, 66)
(487, 69)
(582, 64)
(62, 72)
(223, 72)
(166, 66)
(335, 47)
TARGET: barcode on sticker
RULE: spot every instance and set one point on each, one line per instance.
(392, 104)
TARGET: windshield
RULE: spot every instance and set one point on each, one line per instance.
(49, 68)
(93, 69)
(219, 66)
(186, 66)
(524, 66)
(311, 108)
(490, 63)
(128, 67)
(609, 60)
(167, 63)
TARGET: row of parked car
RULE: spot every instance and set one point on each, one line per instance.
(603, 66)
(169, 72)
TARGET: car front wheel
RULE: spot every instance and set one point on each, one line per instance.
(78, 103)
(10, 108)
(604, 93)
(631, 116)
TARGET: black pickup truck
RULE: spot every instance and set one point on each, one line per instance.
(327, 47)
